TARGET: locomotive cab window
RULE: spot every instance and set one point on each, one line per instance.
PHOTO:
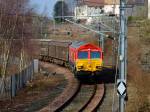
(95, 54)
(82, 55)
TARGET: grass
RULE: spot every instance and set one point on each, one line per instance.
(39, 103)
(37, 94)
(145, 107)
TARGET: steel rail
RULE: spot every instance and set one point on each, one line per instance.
(94, 100)
(86, 104)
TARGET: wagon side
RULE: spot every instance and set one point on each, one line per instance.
(58, 51)
(44, 50)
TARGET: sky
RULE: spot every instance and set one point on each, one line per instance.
(44, 7)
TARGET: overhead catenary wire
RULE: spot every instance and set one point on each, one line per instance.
(116, 69)
(116, 74)
(82, 26)
(101, 33)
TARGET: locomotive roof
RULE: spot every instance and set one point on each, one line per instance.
(77, 44)
(82, 45)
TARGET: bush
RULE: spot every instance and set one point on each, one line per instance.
(60, 9)
(130, 18)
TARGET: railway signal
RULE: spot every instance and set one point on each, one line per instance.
(121, 88)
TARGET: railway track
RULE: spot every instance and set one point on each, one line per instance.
(94, 100)
(68, 93)
(87, 99)
(76, 97)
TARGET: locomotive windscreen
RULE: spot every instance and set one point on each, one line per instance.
(95, 54)
(83, 55)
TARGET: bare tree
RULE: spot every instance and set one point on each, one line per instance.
(15, 34)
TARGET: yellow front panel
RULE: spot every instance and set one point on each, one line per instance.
(89, 65)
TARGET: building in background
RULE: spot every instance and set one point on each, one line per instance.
(138, 8)
(112, 7)
(85, 9)
(88, 9)
(148, 9)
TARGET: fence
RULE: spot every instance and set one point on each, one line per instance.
(11, 85)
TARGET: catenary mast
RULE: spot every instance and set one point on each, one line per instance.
(122, 57)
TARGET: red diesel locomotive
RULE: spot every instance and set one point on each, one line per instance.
(80, 56)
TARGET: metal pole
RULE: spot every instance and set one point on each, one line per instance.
(114, 6)
(122, 72)
(102, 43)
(114, 44)
(101, 38)
(148, 9)
(62, 10)
(41, 28)
(54, 27)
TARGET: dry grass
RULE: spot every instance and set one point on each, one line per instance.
(35, 95)
(138, 81)
(76, 33)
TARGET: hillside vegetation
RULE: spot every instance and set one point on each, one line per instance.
(138, 66)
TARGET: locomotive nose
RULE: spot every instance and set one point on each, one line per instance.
(89, 62)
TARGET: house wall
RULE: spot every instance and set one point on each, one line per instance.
(110, 9)
(142, 10)
(139, 10)
(80, 12)
(86, 11)
(111, 2)
(148, 9)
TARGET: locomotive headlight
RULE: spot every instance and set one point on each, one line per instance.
(98, 67)
(80, 67)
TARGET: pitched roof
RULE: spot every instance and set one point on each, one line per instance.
(111, 2)
(89, 46)
(95, 3)
(108, 2)
(136, 2)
